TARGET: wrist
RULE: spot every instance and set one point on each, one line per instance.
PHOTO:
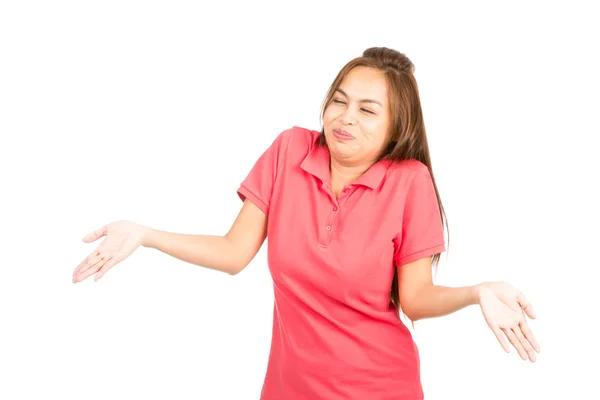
(478, 292)
(147, 237)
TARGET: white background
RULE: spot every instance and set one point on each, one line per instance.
(155, 112)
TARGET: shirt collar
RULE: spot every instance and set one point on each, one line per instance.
(317, 162)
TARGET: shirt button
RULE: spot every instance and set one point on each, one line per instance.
(346, 190)
(335, 208)
(328, 227)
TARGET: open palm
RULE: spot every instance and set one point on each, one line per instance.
(121, 239)
(504, 309)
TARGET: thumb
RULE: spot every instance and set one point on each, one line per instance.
(97, 234)
(526, 306)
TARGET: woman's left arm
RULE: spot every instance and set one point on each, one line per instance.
(503, 306)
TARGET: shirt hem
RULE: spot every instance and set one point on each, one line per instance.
(245, 193)
(440, 248)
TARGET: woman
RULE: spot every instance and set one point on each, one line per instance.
(355, 224)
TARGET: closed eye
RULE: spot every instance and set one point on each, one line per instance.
(338, 101)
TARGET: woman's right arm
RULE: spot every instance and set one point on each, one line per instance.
(230, 253)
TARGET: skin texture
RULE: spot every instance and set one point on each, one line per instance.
(366, 121)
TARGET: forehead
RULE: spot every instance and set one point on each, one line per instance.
(365, 83)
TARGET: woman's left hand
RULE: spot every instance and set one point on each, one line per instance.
(504, 308)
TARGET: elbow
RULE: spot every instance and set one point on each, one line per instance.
(235, 268)
(411, 308)
(411, 314)
(236, 260)
(414, 303)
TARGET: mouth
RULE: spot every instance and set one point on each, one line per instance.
(342, 134)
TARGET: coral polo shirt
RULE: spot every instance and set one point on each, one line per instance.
(332, 262)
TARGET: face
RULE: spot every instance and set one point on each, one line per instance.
(357, 121)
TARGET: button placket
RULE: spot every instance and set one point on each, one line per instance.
(330, 222)
(327, 232)
(344, 195)
(346, 192)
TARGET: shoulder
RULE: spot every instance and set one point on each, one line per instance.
(297, 140)
(305, 136)
(403, 173)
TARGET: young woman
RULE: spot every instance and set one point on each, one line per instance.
(355, 224)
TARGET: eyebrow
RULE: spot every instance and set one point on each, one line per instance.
(361, 100)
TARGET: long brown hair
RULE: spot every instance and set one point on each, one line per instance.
(407, 137)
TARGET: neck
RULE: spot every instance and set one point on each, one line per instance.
(343, 174)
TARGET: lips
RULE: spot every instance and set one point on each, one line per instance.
(342, 134)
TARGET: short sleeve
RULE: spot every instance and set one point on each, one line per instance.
(422, 232)
(258, 184)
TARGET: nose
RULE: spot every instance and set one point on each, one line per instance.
(348, 118)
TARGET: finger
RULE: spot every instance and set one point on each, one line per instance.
(100, 262)
(97, 234)
(89, 261)
(524, 343)
(92, 267)
(90, 271)
(501, 339)
(526, 305)
(105, 268)
(515, 342)
(529, 336)
(116, 258)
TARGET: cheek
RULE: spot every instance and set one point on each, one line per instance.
(329, 115)
(378, 130)
(375, 138)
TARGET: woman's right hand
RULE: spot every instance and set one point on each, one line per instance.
(122, 238)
